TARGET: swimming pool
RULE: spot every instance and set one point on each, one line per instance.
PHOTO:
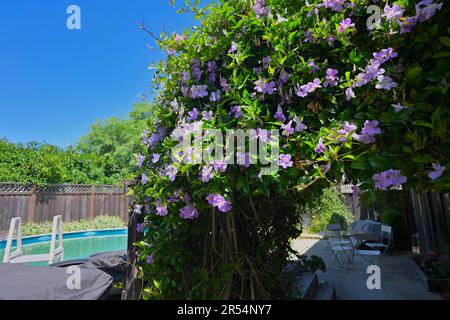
(77, 245)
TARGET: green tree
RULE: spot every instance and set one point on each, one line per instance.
(117, 138)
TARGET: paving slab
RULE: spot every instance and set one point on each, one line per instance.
(399, 279)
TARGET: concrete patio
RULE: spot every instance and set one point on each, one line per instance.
(399, 279)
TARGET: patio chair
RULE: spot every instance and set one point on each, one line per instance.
(378, 249)
(337, 245)
(385, 239)
(336, 238)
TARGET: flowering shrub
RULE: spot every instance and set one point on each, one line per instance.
(364, 101)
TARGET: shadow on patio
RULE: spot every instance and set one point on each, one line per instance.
(399, 279)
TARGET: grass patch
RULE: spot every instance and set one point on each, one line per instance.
(97, 223)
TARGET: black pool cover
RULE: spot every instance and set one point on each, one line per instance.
(25, 282)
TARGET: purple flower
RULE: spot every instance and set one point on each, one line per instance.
(336, 5)
(243, 159)
(233, 47)
(144, 179)
(171, 172)
(407, 24)
(369, 131)
(140, 159)
(388, 178)
(206, 173)
(219, 165)
(172, 52)
(217, 200)
(398, 107)
(438, 170)
(160, 209)
(385, 55)
(212, 66)
(199, 91)
(260, 9)
(224, 85)
(285, 161)
(394, 12)
(185, 77)
(345, 24)
(303, 90)
(331, 78)
(287, 129)
(150, 259)
(385, 82)
(265, 87)
(314, 67)
(284, 77)
(266, 61)
(236, 112)
(325, 168)
(309, 36)
(197, 73)
(155, 157)
(179, 38)
(280, 19)
(349, 94)
(312, 12)
(299, 125)
(174, 105)
(346, 129)
(138, 208)
(330, 40)
(426, 9)
(188, 212)
(279, 115)
(193, 115)
(260, 134)
(185, 90)
(140, 227)
(372, 71)
(215, 96)
(207, 115)
(320, 147)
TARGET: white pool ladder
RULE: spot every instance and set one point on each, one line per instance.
(56, 252)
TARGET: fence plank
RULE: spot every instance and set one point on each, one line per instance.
(73, 202)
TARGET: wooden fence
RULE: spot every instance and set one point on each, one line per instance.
(73, 202)
(426, 216)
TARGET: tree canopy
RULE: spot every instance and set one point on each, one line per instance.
(103, 156)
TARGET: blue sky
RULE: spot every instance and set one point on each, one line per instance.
(55, 82)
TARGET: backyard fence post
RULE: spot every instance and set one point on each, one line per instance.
(32, 204)
(92, 202)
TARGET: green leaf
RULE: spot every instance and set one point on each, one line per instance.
(445, 41)
(422, 123)
(413, 73)
(441, 54)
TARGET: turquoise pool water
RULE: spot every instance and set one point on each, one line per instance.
(77, 245)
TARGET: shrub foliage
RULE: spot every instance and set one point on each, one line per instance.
(369, 106)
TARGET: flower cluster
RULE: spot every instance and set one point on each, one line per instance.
(369, 131)
(425, 10)
(388, 178)
(219, 202)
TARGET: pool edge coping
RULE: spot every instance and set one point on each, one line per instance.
(28, 239)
